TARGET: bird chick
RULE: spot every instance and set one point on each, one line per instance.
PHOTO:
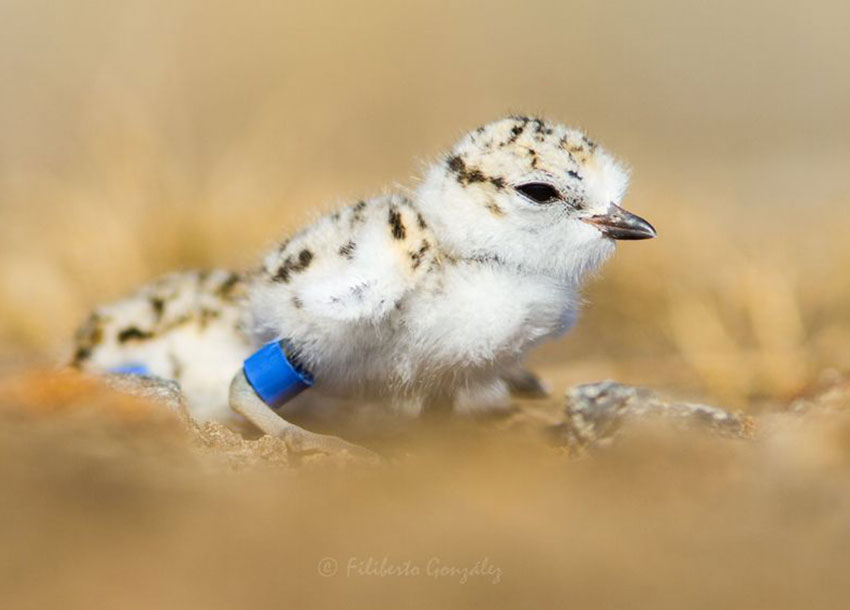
(419, 301)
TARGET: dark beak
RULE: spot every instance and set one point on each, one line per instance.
(620, 224)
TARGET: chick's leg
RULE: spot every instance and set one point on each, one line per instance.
(245, 401)
(524, 383)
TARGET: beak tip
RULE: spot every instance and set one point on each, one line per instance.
(640, 231)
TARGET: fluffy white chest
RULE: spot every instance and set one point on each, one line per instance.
(466, 321)
(483, 313)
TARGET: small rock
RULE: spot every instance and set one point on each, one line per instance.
(154, 389)
(596, 412)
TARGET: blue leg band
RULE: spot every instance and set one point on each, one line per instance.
(130, 369)
(274, 378)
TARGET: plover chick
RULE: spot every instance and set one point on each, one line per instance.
(420, 301)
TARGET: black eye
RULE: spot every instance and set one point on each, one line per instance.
(539, 192)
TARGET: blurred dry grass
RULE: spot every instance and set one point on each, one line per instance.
(139, 137)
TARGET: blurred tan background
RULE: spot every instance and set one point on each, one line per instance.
(138, 137)
(141, 136)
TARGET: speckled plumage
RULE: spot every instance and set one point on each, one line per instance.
(189, 327)
(416, 300)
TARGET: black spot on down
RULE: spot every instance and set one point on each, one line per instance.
(130, 333)
(399, 231)
(289, 266)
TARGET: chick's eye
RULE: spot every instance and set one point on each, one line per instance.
(539, 192)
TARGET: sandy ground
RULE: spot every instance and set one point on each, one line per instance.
(110, 502)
